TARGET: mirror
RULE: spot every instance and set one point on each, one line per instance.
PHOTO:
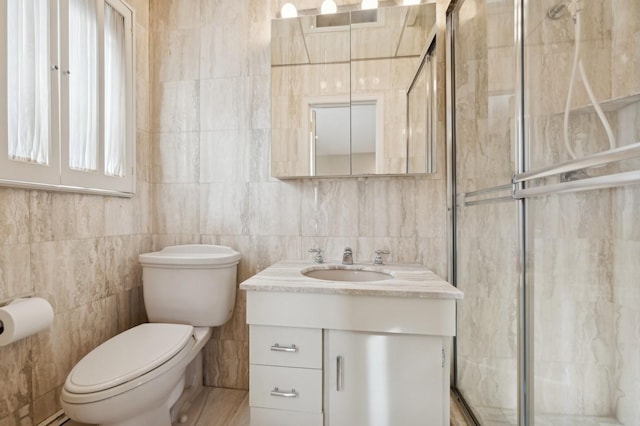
(421, 117)
(342, 88)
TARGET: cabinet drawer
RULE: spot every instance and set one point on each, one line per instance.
(296, 389)
(270, 417)
(285, 346)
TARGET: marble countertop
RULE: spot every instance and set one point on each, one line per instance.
(408, 281)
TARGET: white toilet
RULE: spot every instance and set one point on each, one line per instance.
(150, 374)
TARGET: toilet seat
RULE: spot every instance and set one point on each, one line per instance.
(127, 361)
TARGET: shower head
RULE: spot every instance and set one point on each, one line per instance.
(557, 11)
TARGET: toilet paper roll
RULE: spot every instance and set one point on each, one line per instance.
(24, 317)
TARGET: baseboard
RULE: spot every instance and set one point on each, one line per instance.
(57, 419)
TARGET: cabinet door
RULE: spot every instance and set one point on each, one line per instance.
(383, 379)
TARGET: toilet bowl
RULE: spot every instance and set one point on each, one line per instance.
(135, 377)
(145, 375)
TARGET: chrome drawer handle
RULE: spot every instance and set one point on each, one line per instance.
(278, 348)
(284, 394)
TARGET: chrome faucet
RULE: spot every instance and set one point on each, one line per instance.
(318, 257)
(347, 256)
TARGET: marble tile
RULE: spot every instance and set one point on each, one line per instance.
(14, 216)
(176, 106)
(274, 208)
(143, 104)
(227, 364)
(260, 99)
(176, 55)
(160, 241)
(225, 209)
(119, 216)
(224, 37)
(15, 276)
(330, 208)
(47, 404)
(16, 369)
(123, 271)
(60, 216)
(176, 157)
(175, 14)
(69, 273)
(236, 328)
(225, 103)
(260, 252)
(144, 159)
(230, 407)
(130, 309)
(18, 418)
(225, 407)
(224, 156)
(141, 208)
(259, 47)
(176, 208)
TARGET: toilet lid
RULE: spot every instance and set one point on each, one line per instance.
(128, 355)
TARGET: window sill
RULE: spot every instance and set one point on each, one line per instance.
(64, 188)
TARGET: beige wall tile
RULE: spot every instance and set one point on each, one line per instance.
(176, 157)
(14, 216)
(15, 276)
(176, 208)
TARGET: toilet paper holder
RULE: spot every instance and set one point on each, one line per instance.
(5, 302)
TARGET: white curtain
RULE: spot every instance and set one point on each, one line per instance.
(83, 85)
(115, 108)
(28, 80)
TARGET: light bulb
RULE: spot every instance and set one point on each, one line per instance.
(410, 2)
(288, 11)
(369, 4)
(328, 6)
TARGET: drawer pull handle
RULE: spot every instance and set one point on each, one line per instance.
(284, 394)
(278, 348)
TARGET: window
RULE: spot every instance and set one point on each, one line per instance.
(66, 95)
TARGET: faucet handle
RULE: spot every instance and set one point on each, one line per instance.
(318, 257)
(378, 260)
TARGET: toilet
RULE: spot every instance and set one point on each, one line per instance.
(151, 373)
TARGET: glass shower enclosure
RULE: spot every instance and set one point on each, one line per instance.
(544, 150)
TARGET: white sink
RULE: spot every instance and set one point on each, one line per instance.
(349, 274)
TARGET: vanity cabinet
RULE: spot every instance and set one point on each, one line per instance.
(324, 353)
(379, 379)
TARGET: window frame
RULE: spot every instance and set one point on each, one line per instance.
(58, 175)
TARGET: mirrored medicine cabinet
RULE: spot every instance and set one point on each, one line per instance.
(353, 93)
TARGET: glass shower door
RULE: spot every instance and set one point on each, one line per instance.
(486, 217)
(582, 109)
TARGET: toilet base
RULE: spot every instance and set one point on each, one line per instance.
(186, 407)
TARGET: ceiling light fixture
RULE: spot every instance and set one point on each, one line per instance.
(328, 6)
(410, 2)
(288, 11)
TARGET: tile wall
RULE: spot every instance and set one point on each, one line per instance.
(203, 159)
(80, 253)
(211, 165)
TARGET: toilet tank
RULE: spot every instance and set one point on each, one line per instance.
(190, 284)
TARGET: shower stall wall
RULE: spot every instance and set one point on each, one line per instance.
(546, 176)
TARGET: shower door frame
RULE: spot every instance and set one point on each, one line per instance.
(522, 187)
(525, 352)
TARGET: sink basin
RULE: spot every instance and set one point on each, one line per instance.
(346, 274)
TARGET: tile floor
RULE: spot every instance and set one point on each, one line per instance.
(229, 407)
